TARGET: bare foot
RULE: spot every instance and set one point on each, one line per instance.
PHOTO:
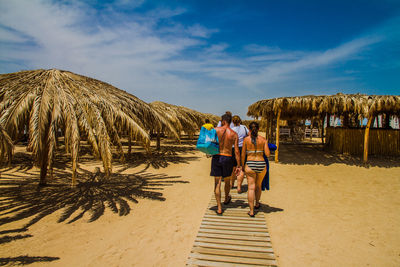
(228, 200)
(251, 215)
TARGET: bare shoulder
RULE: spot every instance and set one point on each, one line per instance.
(232, 132)
(262, 139)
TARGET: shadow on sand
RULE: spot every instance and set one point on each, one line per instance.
(239, 203)
(314, 154)
(265, 208)
(159, 159)
(23, 198)
(24, 260)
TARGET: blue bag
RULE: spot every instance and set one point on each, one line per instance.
(265, 182)
(272, 147)
(208, 141)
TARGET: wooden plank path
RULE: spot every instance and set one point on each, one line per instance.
(233, 239)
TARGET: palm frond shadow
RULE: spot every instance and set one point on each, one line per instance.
(23, 260)
(21, 162)
(158, 159)
(7, 238)
(24, 199)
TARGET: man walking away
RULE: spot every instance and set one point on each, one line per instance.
(222, 163)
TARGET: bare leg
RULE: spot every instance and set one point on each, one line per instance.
(217, 191)
(240, 179)
(251, 181)
(227, 187)
(259, 179)
(233, 177)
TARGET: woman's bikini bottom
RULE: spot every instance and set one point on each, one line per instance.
(256, 166)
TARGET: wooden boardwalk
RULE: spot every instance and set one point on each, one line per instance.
(233, 239)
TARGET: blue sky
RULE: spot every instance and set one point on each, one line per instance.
(212, 56)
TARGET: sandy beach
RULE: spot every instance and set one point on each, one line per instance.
(322, 210)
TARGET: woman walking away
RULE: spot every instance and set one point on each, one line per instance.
(242, 132)
(254, 147)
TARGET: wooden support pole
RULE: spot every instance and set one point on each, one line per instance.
(322, 128)
(387, 121)
(311, 128)
(346, 120)
(271, 128)
(158, 140)
(366, 138)
(129, 144)
(277, 136)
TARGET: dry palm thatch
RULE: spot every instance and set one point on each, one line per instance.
(6, 145)
(183, 118)
(311, 106)
(291, 107)
(214, 119)
(49, 101)
(354, 105)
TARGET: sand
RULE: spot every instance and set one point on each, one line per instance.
(322, 210)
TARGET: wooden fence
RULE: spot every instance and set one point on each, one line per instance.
(351, 141)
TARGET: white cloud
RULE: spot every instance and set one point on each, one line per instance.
(280, 70)
(200, 31)
(138, 54)
(216, 48)
(11, 36)
(129, 3)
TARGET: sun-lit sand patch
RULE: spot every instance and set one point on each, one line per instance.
(327, 211)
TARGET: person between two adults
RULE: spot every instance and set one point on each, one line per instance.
(242, 132)
(230, 124)
(208, 125)
(222, 163)
(254, 147)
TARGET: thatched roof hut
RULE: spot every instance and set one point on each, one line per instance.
(311, 106)
(302, 107)
(48, 101)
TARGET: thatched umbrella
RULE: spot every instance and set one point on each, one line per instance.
(302, 107)
(183, 118)
(49, 101)
(6, 145)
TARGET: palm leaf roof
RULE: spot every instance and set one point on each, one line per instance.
(48, 101)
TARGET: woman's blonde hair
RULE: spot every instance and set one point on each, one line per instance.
(236, 120)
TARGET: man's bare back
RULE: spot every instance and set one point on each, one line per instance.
(228, 138)
(222, 163)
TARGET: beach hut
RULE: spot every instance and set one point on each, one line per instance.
(44, 103)
(352, 108)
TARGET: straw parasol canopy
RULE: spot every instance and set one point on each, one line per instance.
(46, 102)
(183, 118)
(6, 145)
